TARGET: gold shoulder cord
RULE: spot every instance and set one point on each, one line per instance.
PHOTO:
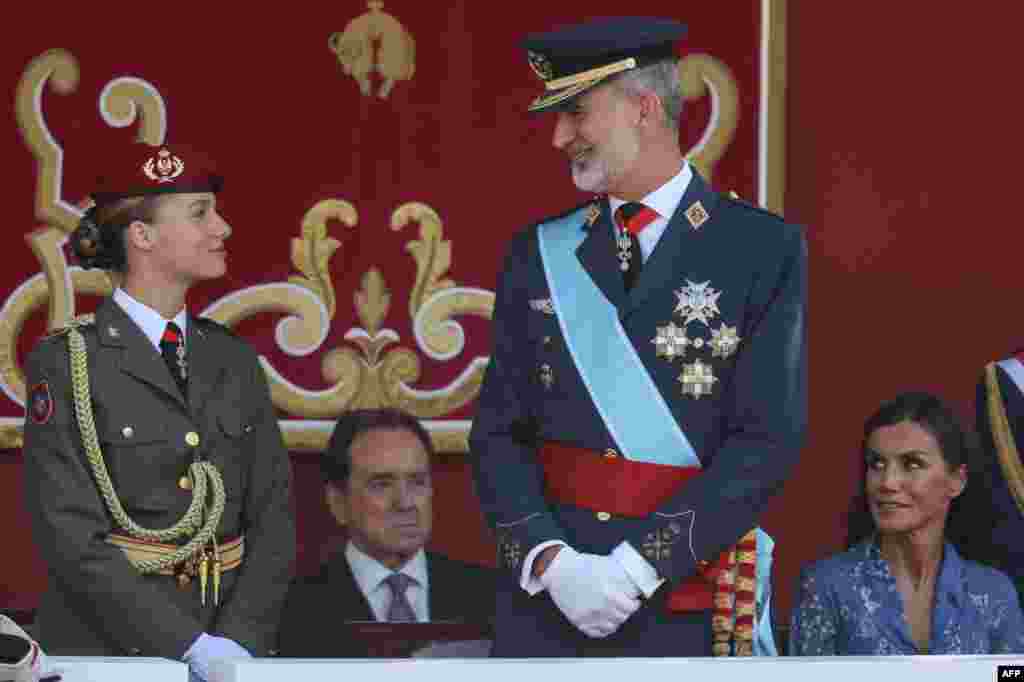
(1006, 448)
(192, 523)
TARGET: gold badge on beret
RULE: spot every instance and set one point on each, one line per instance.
(164, 168)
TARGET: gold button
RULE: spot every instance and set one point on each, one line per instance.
(185, 483)
(604, 516)
(610, 453)
(192, 438)
(702, 564)
(127, 432)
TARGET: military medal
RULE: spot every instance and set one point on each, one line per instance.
(697, 379)
(625, 246)
(182, 365)
(697, 301)
(671, 342)
(546, 376)
(724, 341)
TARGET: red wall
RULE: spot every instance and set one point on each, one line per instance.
(899, 131)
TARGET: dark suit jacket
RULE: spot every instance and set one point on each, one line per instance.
(97, 602)
(1003, 542)
(457, 592)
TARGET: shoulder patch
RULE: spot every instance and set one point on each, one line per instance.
(589, 204)
(40, 403)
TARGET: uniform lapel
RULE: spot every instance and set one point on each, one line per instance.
(204, 365)
(664, 268)
(597, 254)
(138, 356)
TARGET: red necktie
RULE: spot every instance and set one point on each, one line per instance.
(634, 217)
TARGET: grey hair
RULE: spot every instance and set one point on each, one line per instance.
(662, 78)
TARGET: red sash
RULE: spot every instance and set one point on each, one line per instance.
(614, 485)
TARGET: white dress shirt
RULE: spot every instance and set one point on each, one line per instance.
(150, 321)
(664, 200)
(370, 575)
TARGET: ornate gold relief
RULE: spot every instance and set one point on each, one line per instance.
(700, 75)
(311, 253)
(365, 373)
(355, 50)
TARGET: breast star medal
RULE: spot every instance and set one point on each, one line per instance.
(697, 301)
(724, 341)
(671, 342)
(697, 379)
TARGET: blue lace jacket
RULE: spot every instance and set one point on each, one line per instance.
(849, 605)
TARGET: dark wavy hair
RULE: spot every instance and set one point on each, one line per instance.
(98, 241)
(958, 447)
(336, 462)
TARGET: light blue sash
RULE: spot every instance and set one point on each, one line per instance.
(1015, 370)
(629, 403)
(626, 398)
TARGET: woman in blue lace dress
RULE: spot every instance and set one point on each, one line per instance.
(903, 586)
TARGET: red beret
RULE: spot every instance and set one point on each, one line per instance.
(143, 169)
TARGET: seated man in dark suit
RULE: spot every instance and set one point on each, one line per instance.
(378, 484)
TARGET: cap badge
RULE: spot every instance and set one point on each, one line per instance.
(541, 65)
(164, 168)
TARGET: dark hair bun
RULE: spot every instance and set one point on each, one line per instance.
(87, 242)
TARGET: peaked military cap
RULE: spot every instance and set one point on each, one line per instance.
(142, 169)
(573, 59)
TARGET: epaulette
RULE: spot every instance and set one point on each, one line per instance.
(736, 200)
(209, 324)
(594, 203)
(79, 322)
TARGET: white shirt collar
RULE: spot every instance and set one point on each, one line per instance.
(370, 573)
(666, 198)
(150, 321)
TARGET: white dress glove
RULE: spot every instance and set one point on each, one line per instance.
(207, 649)
(21, 659)
(594, 592)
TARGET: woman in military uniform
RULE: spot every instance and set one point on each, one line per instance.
(155, 472)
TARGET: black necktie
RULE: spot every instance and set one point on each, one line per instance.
(172, 347)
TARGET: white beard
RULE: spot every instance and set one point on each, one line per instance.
(590, 174)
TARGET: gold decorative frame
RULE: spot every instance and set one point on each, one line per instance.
(373, 369)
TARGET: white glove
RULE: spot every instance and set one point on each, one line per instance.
(594, 592)
(21, 659)
(207, 649)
